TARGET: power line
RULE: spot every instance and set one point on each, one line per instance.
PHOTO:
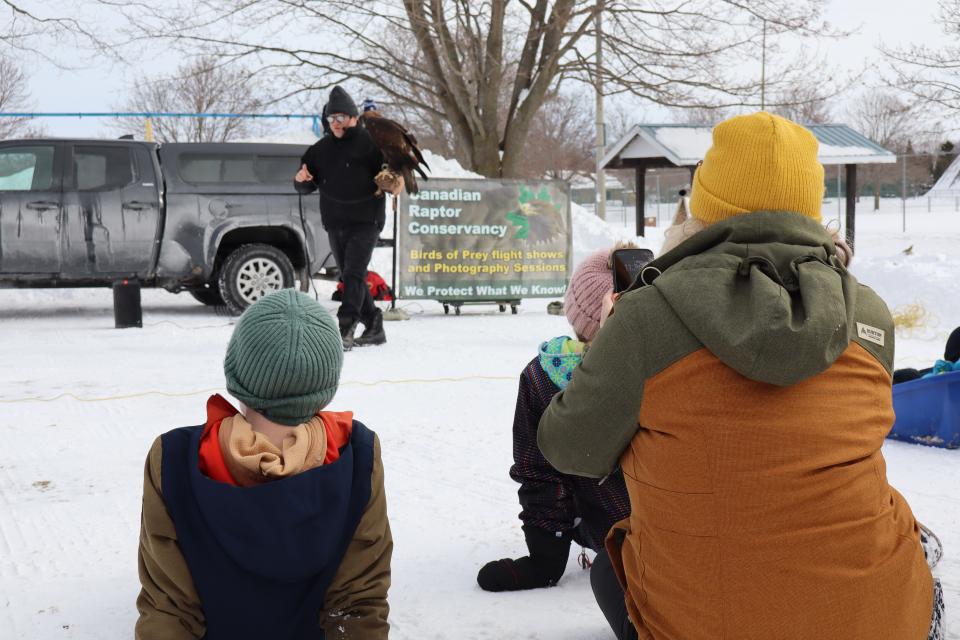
(316, 126)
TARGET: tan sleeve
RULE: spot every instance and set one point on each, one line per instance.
(168, 602)
(356, 603)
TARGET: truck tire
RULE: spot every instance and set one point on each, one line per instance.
(209, 296)
(250, 272)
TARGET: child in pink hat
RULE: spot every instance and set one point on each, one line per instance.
(557, 508)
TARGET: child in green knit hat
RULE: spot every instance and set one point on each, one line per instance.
(279, 503)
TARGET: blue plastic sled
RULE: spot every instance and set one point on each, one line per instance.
(928, 411)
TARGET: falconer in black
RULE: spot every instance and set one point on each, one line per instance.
(342, 166)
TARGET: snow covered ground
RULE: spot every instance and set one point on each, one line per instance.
(81, 402)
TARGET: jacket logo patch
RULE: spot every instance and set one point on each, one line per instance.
(872, 334)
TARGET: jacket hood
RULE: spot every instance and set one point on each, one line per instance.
(285, 530)
(559, 357)
(765, 293)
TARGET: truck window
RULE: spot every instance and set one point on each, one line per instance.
(103, 168)
(238, 169)
(200, 168)
(26, 168)
(277, 169)
(147, 174)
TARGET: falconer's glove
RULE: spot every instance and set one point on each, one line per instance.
(388, 181)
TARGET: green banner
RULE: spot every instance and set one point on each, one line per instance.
(472, 240)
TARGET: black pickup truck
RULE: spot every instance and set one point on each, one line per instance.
(220, 220)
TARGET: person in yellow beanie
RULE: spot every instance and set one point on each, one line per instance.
(743, 387)
(758, 162)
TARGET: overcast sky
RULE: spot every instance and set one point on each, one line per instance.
(103, 87)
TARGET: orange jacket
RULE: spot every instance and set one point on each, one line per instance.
(746, 395)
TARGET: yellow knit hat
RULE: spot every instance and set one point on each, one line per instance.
(758, 162)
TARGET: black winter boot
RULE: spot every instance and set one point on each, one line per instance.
(347, 329)
(542, 568)
(372, 331)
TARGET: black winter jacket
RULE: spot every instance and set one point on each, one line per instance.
(343, 170)
(551, 500)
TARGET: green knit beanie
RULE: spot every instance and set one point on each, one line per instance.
(284, 357)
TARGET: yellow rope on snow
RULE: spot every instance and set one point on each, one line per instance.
(181, 394)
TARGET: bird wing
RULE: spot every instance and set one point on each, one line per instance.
(399, 147)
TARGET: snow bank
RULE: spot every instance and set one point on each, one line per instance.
(441, 167)
(590, 234)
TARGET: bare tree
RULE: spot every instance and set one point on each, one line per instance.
(620, 119)
(927, 73)
(30, 25)
(14, 96)
(202, 86)
(884, 117)
(561, 139)
(804, 101)
(670, 52)
(887, 119)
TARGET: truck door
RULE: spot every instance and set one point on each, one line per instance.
(111, 211)
(284, 206)
(30, 208)
(227, 191)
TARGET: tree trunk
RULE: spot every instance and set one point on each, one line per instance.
(514, 146)
(485, 158)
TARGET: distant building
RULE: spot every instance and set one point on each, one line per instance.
(583, 189)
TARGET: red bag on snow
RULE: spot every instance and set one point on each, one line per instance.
(377, 285)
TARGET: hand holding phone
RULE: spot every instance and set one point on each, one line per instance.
(627, 265)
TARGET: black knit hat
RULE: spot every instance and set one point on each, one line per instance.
(952, 351)
(341, 102)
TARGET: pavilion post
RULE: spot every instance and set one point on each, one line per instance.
(851, 204)
(641, 192)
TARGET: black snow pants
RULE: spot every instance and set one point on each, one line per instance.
(352, 248)
(609, 595)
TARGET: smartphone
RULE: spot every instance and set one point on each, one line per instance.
(627, 264)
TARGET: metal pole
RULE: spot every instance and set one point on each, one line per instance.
(641, 198)
(601, 209)
(903, 193)
(393, 281)
(658, 199)
(839, 207)
(763, 68)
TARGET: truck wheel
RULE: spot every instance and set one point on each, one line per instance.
(210, 296)
(252, 271)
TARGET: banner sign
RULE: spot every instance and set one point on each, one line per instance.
(497, 240)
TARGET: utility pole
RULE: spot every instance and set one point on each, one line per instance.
(903, 194)
(763, 68)
(601, 205)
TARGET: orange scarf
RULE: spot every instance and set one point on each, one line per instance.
(231, 452)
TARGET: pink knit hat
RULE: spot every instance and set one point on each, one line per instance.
(583, 302)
